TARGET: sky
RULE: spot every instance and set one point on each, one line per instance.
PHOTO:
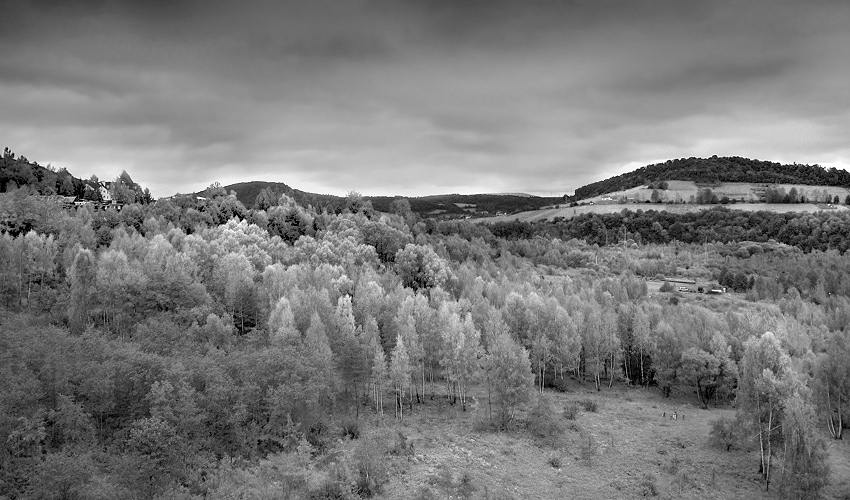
(417, 97)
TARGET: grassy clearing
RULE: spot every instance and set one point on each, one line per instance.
(628, 448)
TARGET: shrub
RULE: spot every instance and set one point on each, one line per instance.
(465, 488)
(444, 480)
(497, 495)
(402, 447)
(559, 384)
(543, 423)
(588, 448)
(647, 486)
(666, 287)
(571, 410)
(724, 433)
(426, 493)
(554, 460)
(485, 425)
(370, 467)
(589, 405)
(337, 486)
(351, 429)
(320, 436)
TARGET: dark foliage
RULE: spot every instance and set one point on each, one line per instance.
(819, 231)
(484, 204)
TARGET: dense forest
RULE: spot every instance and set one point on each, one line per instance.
(717, 169)
(824, 230)
(194, 348)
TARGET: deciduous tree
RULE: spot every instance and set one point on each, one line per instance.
(511, 377)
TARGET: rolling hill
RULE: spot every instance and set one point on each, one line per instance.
(441, 206)
(708, 172)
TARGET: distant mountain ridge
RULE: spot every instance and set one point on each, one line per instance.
(715, 170)
(445, 205)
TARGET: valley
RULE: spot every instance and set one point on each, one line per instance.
(193, 348)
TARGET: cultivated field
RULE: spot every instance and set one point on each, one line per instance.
(611, 208)
(682, 191)
(626, 449)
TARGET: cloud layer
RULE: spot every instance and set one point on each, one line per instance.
(419, 97)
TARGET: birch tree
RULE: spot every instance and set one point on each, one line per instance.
(832, 382)
(400, 374)
(511, 377)
(83, 278)
(379, 377)
(282, 324)
(643, 341)
(762, 389)
(806, 459)
(318, 349)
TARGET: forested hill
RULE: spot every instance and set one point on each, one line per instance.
(460, 204)
(718, 169)
(18, 171)
(446, 205)
(247, 193)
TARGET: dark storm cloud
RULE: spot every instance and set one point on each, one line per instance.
(417, 97)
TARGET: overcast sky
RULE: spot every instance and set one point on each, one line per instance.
(419, 97)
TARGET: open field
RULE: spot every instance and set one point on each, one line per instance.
(626, 449)
(611, 208)
(682, 191)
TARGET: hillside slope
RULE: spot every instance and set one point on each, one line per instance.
(714, 170)
(247, 192)
(444, 206)
(565, 212)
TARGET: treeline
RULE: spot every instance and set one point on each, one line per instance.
(448, 204)
(18, 171)
(811, 231)
(261, 194)
(718, 169)
(184, 349)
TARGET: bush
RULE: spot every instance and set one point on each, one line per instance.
(402, 447)
(370, 467)
(724, 433)
(485, 425)
(589, 405)
(320, 436)
(445, 481)
(666, 287)
(554, 460)
(589, 448)
(647, 486)
(543, 424)
(571, 410)
(351, 429)
(426, 493)
(559, 384)
(465, 488)
(336, 487)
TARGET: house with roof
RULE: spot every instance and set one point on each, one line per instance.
(103, 190)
